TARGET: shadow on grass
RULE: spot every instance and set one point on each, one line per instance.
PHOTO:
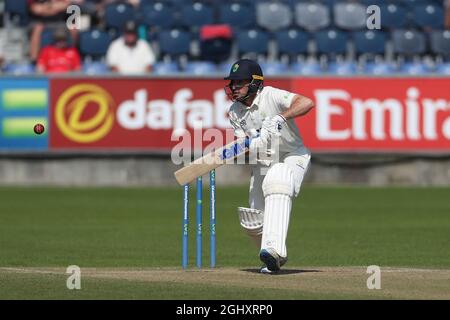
(282, 271)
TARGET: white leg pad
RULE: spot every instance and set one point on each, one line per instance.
(279, 189)
(252, 221)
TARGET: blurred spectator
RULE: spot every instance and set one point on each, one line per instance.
(447, 14)
(129, 54)
(47, 13)
(59, 57)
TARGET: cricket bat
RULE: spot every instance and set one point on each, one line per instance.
(213, 160)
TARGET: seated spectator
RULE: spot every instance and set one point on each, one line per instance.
(47, 13)
(59, 57)
(129, 54)
(447, 14)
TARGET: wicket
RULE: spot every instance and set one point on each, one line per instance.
(199, 217)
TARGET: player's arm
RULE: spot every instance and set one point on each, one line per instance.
(300, 106)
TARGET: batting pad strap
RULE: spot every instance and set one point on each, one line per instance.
(279, 180)
(251, 219)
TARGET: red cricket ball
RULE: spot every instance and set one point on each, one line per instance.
(39, 128)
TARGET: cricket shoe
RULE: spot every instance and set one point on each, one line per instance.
(272, 261)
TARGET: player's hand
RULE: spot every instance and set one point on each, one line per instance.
(273, 126)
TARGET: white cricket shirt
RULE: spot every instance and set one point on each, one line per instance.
(268, 103)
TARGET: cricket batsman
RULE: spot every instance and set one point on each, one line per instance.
(266, 114)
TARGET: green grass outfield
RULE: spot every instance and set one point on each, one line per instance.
(44, 229)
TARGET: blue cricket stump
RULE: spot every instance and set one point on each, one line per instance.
(185, 225)
(198, 218)
(212, 218)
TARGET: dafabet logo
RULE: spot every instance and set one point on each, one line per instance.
(84, 113)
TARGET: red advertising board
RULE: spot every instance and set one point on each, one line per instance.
(350, 114)
(131, 114)
(377, 114)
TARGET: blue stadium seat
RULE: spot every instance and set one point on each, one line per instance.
(331, 42)
(95, 68)
(224, 67)
(429, 16)
(197, 14)
(273, 16)
(312, 16)
(157, 14)
(292, 43)
(414, 68)
(306, 68)
(411, 4)
(374, 2)
(253, 42)
(117, 14)
(175, 42)
(379, 68)
(19, 68)
(237, 15)
(17, 11)
(369, 42)
(274, 68)
(344, 68)
(165, 68)
(440, 43)
(200, 68)
(350, 15)
(94, 43)
(443, 69)
(393, 16)
(47, 37)
(408, 42)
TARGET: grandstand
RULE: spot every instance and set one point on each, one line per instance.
(286, 37)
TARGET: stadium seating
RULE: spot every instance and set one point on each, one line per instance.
(197, 14)
(284, 35)
(292, 43)
(201, 68)
(369, 43)
(440, 43)
(157, 14)
(428, 16)
(306, 68)
(117, 14)
(344, 68)
(174, 43)
(165, 68)
(312, 16)
(17, 11)
(394, 16)
(94, 43)
(237, 15)
(95, 68)
(443, 69)
(408, 43)
(252, 43)
(414, 68)
(379, 68)
(273, 16)
(331, 43)
(350, 16)
(274, 68)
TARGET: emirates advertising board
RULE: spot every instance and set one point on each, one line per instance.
(350, 115)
